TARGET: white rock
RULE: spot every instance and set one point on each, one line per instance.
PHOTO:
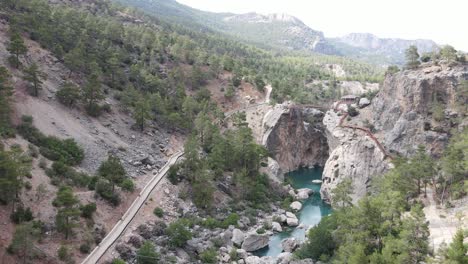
(296, 206)
(290, 215)
(363, 102)
(254, 241)
(289, 244)
(237, 237)
(252, 260)
(292, 222)
(275, 226)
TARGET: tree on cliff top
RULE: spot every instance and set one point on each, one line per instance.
(412, 57)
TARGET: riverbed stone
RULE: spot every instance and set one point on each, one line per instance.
(290, 215)
(296, 206)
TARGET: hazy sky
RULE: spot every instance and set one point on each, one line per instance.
(444, 21)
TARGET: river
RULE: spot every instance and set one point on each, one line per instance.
(313, 209)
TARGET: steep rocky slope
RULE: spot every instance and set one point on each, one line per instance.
(402, 117)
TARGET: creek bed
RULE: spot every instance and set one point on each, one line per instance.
(313, 209)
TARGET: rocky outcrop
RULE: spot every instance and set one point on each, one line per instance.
(401, 119)
(402, 111)
(353, 155)
(294, 136)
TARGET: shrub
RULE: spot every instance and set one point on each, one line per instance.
(66, 151)
(173, 174)
(85, 248)
(158, 211)
(42, 163)
(178, 233)
(104, 189)
(93, 110)
(69, 94)
(208, 256)
(352, 111)
(233, 254)
(261, 230)
(118, 261)
(21, 215)
(128, 185)
(232, 219)
(88, 210)
(63, 253)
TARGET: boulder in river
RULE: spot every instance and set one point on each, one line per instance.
(296, 206)
(289, 244)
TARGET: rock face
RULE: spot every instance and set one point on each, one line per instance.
(254, 242)
(402, 120)
(405, 104)
(352, 156)
(295, 137)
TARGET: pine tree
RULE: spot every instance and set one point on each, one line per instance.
(16, 48)
(35, 77)
(91, 95)
(5, 108)
(112, 170)
(147, 254)
(457, 251)
(412, 57)
(22, 243)
(69, 94)
(142, 112)
(68, 212)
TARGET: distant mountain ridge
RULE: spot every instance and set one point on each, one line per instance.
(392, 48)
(283, 31)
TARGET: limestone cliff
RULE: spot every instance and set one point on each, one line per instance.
(401, 117)
(295, 137)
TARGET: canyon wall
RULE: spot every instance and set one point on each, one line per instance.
(295, 137)
(401, 117)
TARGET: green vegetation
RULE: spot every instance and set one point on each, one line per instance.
(35, 77)
(14, 166)
(69, 94)
(209, 256)
(147, 254)
(159, 212)
(66, 151)
(178, 233)
(412, 57)
(16, 48)
(23, 241)
(68, 212)
(456, 253)
(6, 129)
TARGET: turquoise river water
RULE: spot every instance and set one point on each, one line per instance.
(312, 210)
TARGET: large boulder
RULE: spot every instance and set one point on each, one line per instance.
(276, 227)
(254, 242)
(363, 102)
(303, 194)
(289, 244)
(296, 206)
(237, 237)
(292, 221)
